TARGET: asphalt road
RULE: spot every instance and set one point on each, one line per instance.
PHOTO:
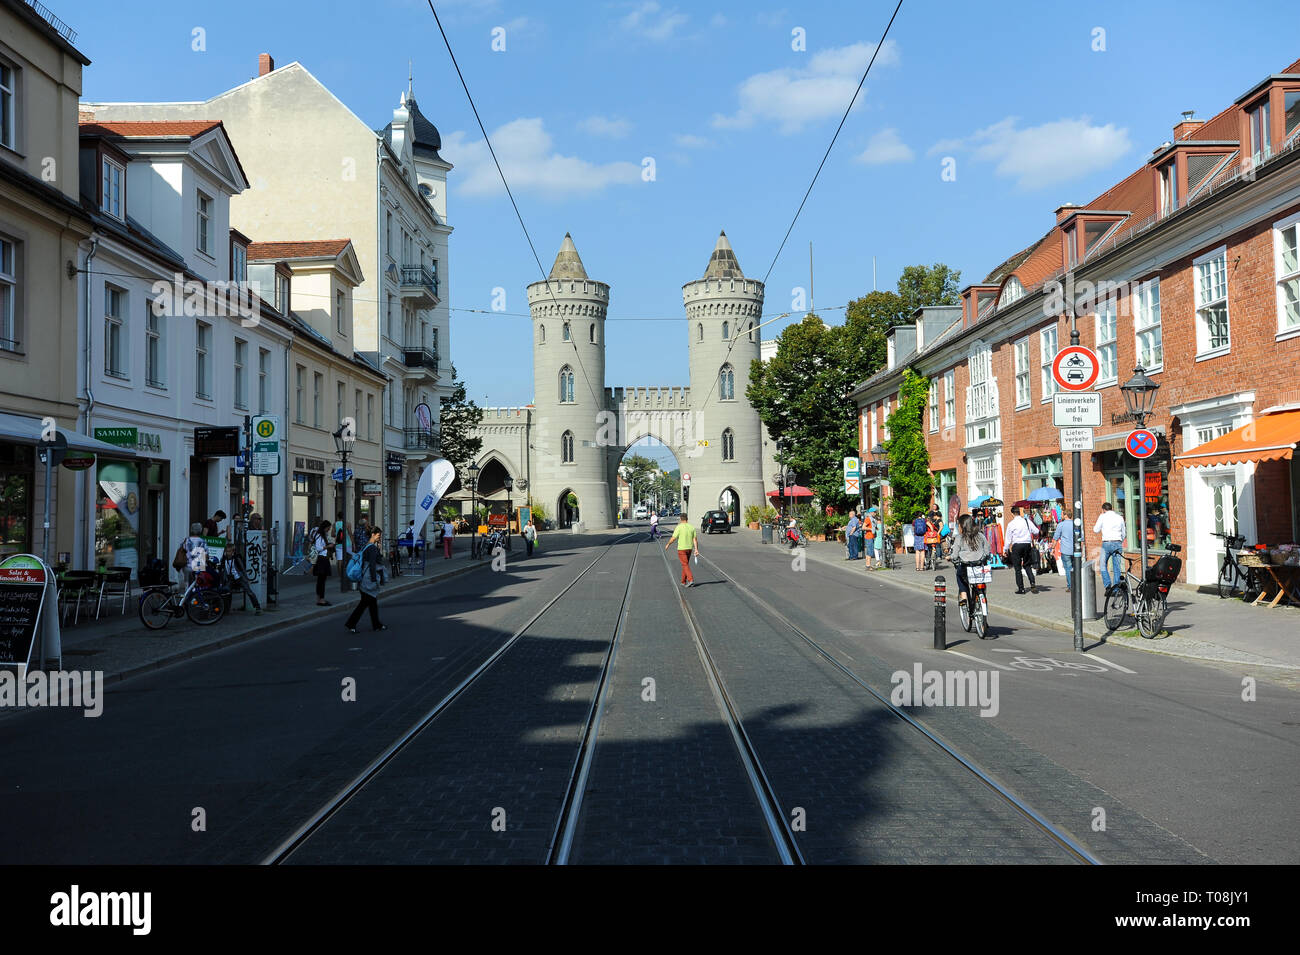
(1137, 757)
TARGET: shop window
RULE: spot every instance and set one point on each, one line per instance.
(1124, 493)
(17, 464)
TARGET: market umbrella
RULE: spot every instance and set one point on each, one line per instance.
(1046, 494)
(794, 490)
(985, 500)
(1028, 504)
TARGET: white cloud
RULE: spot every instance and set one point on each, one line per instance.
(1039, 156)
(604, 126)
(717, 20)
(795, 97)
(691, 141)
(885, 147)
(650, 20)
(531, 164)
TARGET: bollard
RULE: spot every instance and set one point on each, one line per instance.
(940, 613)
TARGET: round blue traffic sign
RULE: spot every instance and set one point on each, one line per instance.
(1141, 443)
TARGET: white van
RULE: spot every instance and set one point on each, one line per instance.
(641, 513)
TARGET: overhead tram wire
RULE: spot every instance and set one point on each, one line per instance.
(817, 174)
(518, 215)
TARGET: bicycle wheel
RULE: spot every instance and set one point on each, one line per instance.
(155, 609)
(1151, 616)
(980, 623)
(1116, 608)
(1227, 580)
(204, 607)
(1252, 587)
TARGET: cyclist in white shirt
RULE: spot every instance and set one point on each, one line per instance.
(1113, 535)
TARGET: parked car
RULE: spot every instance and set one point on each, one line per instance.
(641, 512)
(715, 521)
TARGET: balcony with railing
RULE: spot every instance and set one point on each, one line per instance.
(421, 359)
(420, 285)
(420, 439)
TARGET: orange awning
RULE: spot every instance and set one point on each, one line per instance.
(1270, 437)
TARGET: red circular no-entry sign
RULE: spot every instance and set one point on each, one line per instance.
(1141, 443)
(1076, 368)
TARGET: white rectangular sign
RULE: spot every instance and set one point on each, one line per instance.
(1078, 409)
(1076, 439)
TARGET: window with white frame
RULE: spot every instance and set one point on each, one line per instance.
(282, 294)
(203, 226)
(154, 353)
(241, 375)
(388, 234)
(872, 415)
(338, 394)
(949, 398)
(1261, 147)
(8, 93)
(356, 410)
(263, 381)
(1011, 292)
(566, 448)
(300, 387)
(202, 360)
(1146, 325)
(238, 262)
(934, 404)
(728, 445)
(8, 295)
(566, 385)
(727, 383)
(111, 200)
(981, 401)
(1212, 302)
(884, 420)
(370, 417)
(1022, 373)
(338, 312)
(114, 332)
(1047, 346)
(317, 383)
(1212, 432)
(1287, 243)
(1107, 347)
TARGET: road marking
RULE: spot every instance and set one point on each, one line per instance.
(1115, 666)
(1005, 650)
(980, 660)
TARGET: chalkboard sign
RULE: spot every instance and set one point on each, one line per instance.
(22, 594)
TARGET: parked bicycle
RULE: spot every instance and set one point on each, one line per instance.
(885, 547)
(1234, 579)
(1147, 597)
(201, 601)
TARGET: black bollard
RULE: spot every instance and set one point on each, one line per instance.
(940, 613)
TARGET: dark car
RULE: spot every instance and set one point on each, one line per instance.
(715, 521)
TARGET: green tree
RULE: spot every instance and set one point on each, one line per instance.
(921, 285)
(459, 417)
(911, 486)
(639, 472)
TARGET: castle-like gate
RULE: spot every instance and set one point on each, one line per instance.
(571, 440)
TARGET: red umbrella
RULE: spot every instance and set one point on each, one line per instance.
(794, 490)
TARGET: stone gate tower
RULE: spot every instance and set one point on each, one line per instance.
(723, 310)
(568, 314)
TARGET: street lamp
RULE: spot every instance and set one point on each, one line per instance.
(473, 507)
(343, 439)
(509, 483)
(881, 462)
(1140, 396)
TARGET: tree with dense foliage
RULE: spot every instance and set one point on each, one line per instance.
(457, 421)
(911, 487)
(934, 285)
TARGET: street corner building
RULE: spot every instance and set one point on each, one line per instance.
(1188, 268)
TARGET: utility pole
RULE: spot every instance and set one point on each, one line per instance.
(1076, 491)
(812, 289)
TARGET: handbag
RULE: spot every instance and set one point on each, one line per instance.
(180, 561)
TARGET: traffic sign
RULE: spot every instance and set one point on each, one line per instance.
(338, 474)
(1076, 439)
(851, 467)
(1076, 410)
(686, 480)
(266, 445)
(1076, 368)
(852, 485)
(1141, 443)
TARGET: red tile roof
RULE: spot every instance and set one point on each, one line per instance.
(152, 129)
(309, 249)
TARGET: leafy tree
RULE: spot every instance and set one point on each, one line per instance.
(639, 472)
(459, 417)
(934, 285)
(910, 484)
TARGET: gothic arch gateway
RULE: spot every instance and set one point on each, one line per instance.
(572, 439)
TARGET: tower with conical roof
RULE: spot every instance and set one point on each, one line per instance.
(723, 311)
(568, 316)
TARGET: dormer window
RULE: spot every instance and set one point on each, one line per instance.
(1257, 119)
(1011, 292)
(110, 200)
(238, 261)
(1168, 188)
(1071, 247)
(282, 294)
(1094, 231)
(1291, 103)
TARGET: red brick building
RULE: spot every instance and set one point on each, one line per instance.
(1190, 268)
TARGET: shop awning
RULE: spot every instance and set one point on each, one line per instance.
(24, 430)
(1270, 437)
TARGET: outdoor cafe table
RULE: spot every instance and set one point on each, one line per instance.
(1285, 579)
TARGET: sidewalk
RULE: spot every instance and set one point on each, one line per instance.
(1200, 626)
(121, 646)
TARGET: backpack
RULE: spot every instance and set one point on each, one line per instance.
(356, 565)
(918, 527)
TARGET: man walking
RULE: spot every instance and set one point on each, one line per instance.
(654, 525)
(1113, 534)
(685, 535)
(1020, 540)
(1064, 536)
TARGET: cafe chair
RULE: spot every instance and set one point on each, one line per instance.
(117, 580)
(75, 586)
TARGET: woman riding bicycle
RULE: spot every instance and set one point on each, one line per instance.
(970, 547)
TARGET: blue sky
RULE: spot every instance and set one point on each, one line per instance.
(735, 121)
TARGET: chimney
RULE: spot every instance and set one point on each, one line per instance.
(264, 64)
(1188, 126)
(1064, 210)
(85, 116)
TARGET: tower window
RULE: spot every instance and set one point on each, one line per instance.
(751, 331)
(541, 334)
(591, 333)
(728, 445)
(727, 383)
(568, 334)
(566, 384)
(701, 331)
(566, 448)
(726, 331)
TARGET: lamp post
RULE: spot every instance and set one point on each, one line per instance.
(1140, 396)
(881, 461)
(509, 483)
(343, 439)
(473, 507)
